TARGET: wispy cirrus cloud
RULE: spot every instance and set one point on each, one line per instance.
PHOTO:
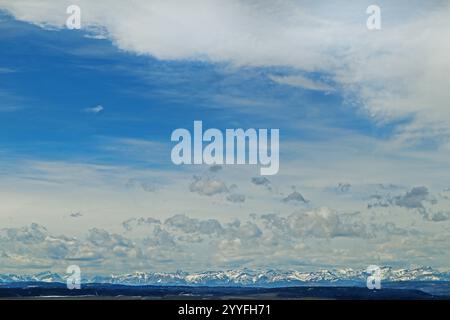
(95, 110)
(302, 82)
(379, 72)
(5, 70)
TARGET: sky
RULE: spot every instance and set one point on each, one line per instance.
(86, 118)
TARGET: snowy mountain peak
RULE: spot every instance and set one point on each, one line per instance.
(243, 277)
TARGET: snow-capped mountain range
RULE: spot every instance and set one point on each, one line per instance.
(243, 277)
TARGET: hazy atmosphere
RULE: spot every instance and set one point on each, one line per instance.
(86, 117)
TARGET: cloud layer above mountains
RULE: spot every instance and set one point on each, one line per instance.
(304, 240)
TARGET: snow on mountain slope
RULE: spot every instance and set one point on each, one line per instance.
(243, 277)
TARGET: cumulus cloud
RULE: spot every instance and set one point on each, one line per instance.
(213, 243)
(417, 198)
(131, 223)
(445, 194)
(327, 223)
(34, 247)
(160, 238)
(438, 216)
(343, 187)
(236, 198)
(295, 196)
(75, 215)
(35, 233)
(190, 225)
(207, 186)
(262, 181)
(413, 199)
(104, 239)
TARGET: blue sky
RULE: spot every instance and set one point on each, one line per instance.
(56, 76)
(86, 117)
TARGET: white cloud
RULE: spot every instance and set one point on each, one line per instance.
(302, 82)
(76, 215)
(295, 196)
(236, 198)
(96, 109)
(262, 181)
(418, 199)
(197, 244)
(208, 186)
(400, 71)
